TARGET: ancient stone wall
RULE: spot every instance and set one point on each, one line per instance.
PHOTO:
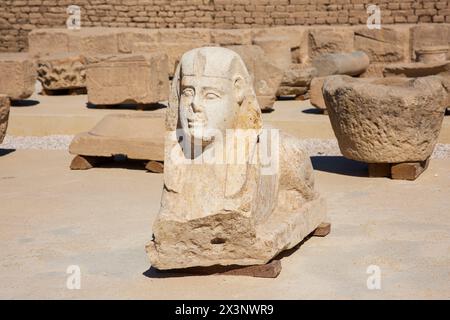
(18, 17)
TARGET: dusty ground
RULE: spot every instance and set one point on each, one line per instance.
(69, 115)
(101, 219)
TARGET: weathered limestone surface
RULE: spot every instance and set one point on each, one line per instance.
(266, 76)
(330, 40)
(127, 38)
(296, 38)
(419, 69)
(4, 115)
(352, 64)
(315, 93)
(375, 70)
(432, 54)
(296, 80)
(288, 91)
(232, 212)
(231, 37)
(390, 44)
(277, 50)
(298, 76)
(383, 45)
(18, 75)
(387, 120)
(127, 78)
(174, 51)
(94, 41)
(47, 41)
(62, 71)
(138, 136)
(429, 35)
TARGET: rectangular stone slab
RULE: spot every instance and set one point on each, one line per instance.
(4, 115)
(127, 78)
(137, 136)
(18, 75)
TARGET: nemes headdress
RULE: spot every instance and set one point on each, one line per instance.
(216, 62)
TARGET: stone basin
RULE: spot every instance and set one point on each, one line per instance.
(386, 120)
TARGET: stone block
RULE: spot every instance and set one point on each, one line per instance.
(277, 50)
(225, 37)
(127, 39)
(296, 80)
(94, 41)
(383, 45)
(4, 115)
(136, 136)
(296, 37)
(18, 75)
(330, 40)
(127, 78)
(315, 93)
(266, 76)
(42, 42)
(62, 71)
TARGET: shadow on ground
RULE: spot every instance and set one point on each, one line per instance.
(339, 165)
(313, 111)
(286, 98)
(4, 152)
(128, 106)
(121, 162)
(24, 103)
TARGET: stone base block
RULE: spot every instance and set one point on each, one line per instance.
(269, 239)
(398, 171)
(139, 137)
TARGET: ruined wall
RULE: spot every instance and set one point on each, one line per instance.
(18, 17)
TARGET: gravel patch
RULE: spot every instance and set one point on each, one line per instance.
(329, 147)
(315, 147)
(54, 142)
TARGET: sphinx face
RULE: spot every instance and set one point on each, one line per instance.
(208, 106)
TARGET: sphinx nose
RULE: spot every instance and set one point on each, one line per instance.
(197, 106)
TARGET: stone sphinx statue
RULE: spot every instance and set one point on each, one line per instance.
(225, 201)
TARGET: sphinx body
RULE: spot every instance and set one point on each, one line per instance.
(226, 200)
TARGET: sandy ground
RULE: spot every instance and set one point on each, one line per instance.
(69, 115)
(101, 219)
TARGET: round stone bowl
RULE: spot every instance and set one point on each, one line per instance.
(386, 120)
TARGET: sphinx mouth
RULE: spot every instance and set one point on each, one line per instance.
(193, 123)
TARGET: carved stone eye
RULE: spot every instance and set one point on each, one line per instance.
(211, 95)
